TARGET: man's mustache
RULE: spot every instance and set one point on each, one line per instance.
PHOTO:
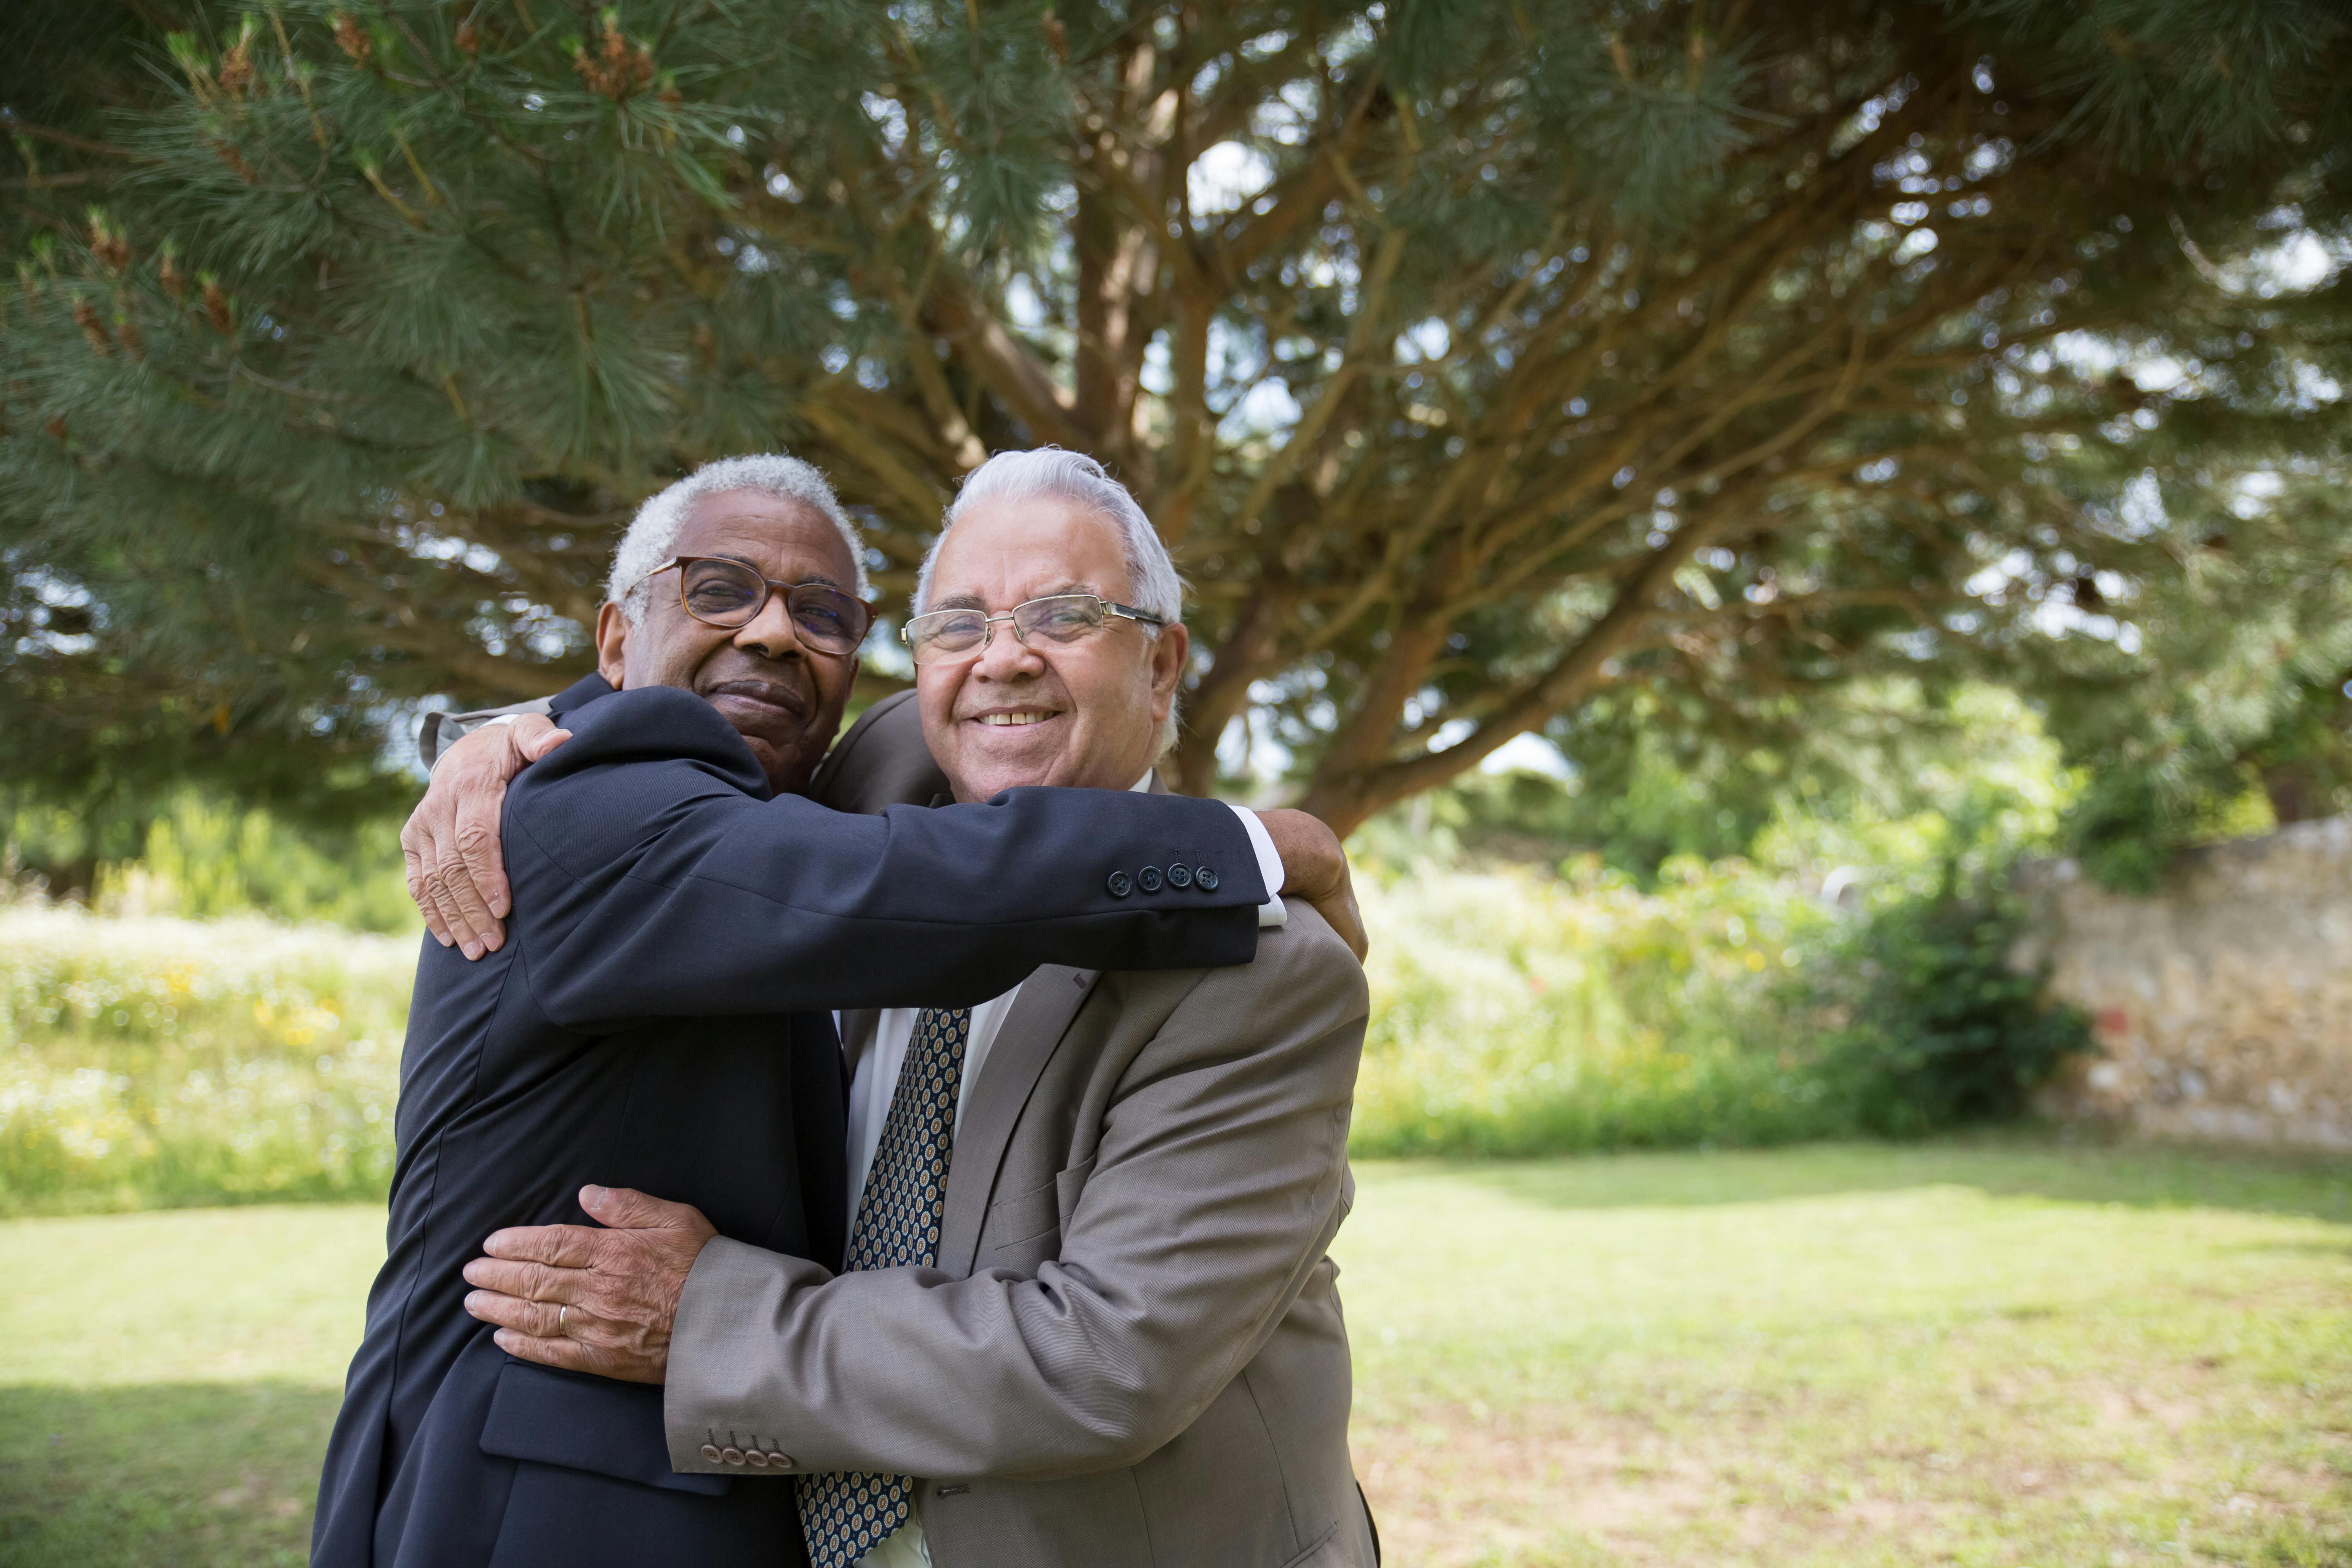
(780, 687)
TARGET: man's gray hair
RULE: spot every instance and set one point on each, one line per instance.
(652, 538)
(1050, 471)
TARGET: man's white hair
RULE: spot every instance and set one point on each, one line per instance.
(1152, 581)
(652, 538)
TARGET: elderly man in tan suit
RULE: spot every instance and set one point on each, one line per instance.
(1087, 1317)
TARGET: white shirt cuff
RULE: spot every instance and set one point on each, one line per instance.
(1271, 914)
(484, 724)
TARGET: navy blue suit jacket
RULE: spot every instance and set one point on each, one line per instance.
(657, 1019)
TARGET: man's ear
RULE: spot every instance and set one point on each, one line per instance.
(612, 643)
(1168, 651)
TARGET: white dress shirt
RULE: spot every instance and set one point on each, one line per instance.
(876, 1082)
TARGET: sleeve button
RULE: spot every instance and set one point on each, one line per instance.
(1148, 878)
(710, 1452)
(1207, 878)
(1118, 884)
(1179, 876)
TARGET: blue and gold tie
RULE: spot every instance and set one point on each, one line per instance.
(845, 1515)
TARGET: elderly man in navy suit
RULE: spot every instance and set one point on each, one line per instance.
(655, 1017)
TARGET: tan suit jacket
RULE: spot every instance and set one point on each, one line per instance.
(1130, 1353)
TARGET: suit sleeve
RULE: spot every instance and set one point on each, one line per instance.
(1218, 1185)
(653, 879)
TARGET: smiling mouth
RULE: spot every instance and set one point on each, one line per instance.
(1014, 720)
(782, 698)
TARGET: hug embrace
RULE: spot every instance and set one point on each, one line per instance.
(922, 1148)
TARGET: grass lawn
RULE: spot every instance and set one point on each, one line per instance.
(2003, 1354)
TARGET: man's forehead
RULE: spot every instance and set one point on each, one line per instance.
(1036, 547)
(762, 530)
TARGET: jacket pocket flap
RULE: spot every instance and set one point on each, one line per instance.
(554, 1417)
(1069, 1185)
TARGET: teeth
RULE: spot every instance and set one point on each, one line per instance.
(1000, 719)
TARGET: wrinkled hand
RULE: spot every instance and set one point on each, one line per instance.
(614, 1291)
(1315, 867)
(455, 872)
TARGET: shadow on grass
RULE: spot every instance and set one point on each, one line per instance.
(2010, 1164)
(161, 1475)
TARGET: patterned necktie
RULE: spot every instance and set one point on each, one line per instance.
(845, 1515)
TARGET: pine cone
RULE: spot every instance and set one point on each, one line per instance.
(353, 39)
(216, 309)
(86, 317)
(618, 67)
(113, 251)
(235, 73)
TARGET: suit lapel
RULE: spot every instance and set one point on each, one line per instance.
(1024, 1043)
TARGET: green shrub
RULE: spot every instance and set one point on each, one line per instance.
(1942, 1030)
(158, 1061)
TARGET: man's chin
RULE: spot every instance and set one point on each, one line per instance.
(978, 778)
(789, 764)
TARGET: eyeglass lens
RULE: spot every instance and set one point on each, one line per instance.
(1063, 619)
(728, 594)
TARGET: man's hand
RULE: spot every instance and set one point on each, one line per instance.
(455, 872)
(592, 1301)
(1315, 867)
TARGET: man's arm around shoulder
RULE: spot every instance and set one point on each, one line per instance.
(672, 885)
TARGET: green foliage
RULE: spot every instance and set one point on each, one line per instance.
(1929, 1022)
(1881, 784)
(2135, 818)
(1515, 1016)
(2205, 697)
(148, 1061)
(161, 1062)
(1482, 361)
(1941, 1030)
(1852, 977)
(206, 860)
(200, 857)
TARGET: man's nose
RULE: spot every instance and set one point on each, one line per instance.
(770, 633)
(1007, 658)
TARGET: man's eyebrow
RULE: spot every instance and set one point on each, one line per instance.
(754, 565)
(974, 601)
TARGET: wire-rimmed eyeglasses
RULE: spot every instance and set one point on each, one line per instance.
(944, 635)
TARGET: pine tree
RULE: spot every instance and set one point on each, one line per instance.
(1483, 363)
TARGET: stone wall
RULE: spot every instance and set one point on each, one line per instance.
(2223, 1004)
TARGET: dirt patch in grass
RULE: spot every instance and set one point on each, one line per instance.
(1812, 1479)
